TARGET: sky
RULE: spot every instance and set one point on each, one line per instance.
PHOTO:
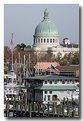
(22, 19)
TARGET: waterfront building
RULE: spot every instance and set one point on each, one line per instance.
(51, 87)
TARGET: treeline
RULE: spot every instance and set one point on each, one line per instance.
(22, 49)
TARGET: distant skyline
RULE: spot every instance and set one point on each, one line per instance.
(22, 19)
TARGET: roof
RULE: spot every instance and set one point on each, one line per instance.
(51, 77)
(45, 65)
(70, 45)
(46, 27)
(68, 68)
(56, 87)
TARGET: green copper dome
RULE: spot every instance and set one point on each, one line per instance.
(46, 27)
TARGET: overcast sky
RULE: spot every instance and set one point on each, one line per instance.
(22, 19)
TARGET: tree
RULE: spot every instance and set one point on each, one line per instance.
(18, 46)
(23, 46)
(7, 53)
(76, 58)
(47, 57)
(28, 46)
(58, 57)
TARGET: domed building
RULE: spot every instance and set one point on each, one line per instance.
(46, 34)
(46, 37)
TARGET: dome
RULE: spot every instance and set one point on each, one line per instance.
(46, 27)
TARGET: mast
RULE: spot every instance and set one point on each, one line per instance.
(12, 48)
(19, 59)
(29, 64)
(24, 65)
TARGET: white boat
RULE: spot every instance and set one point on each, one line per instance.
(10, 86)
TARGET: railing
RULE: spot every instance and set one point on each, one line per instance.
(25, 108)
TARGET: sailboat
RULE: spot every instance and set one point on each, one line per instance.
(11, 87)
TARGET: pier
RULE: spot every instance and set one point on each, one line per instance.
(26, 108)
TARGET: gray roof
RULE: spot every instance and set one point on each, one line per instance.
(51, 77)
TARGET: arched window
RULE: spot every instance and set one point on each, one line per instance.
(47, 40)
(50, 40)
(38, 40)
(44, 40)
(53, 40)
(41, 40)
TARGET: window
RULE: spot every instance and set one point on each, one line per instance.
(67, 81)
(45, 82)
(50, 40)
(55, 82)
(70, 81)
(47, 40)
(54, 97)
(44, 40)
(48, 97)
(73, 81)
(41, 40)
(63, 82)
(50, 92)
(38, 40)
(53, 40)
(45, 98)
(77, 81)
(45, 92)
(50, 82)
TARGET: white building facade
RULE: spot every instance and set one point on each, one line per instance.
(52, 87)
